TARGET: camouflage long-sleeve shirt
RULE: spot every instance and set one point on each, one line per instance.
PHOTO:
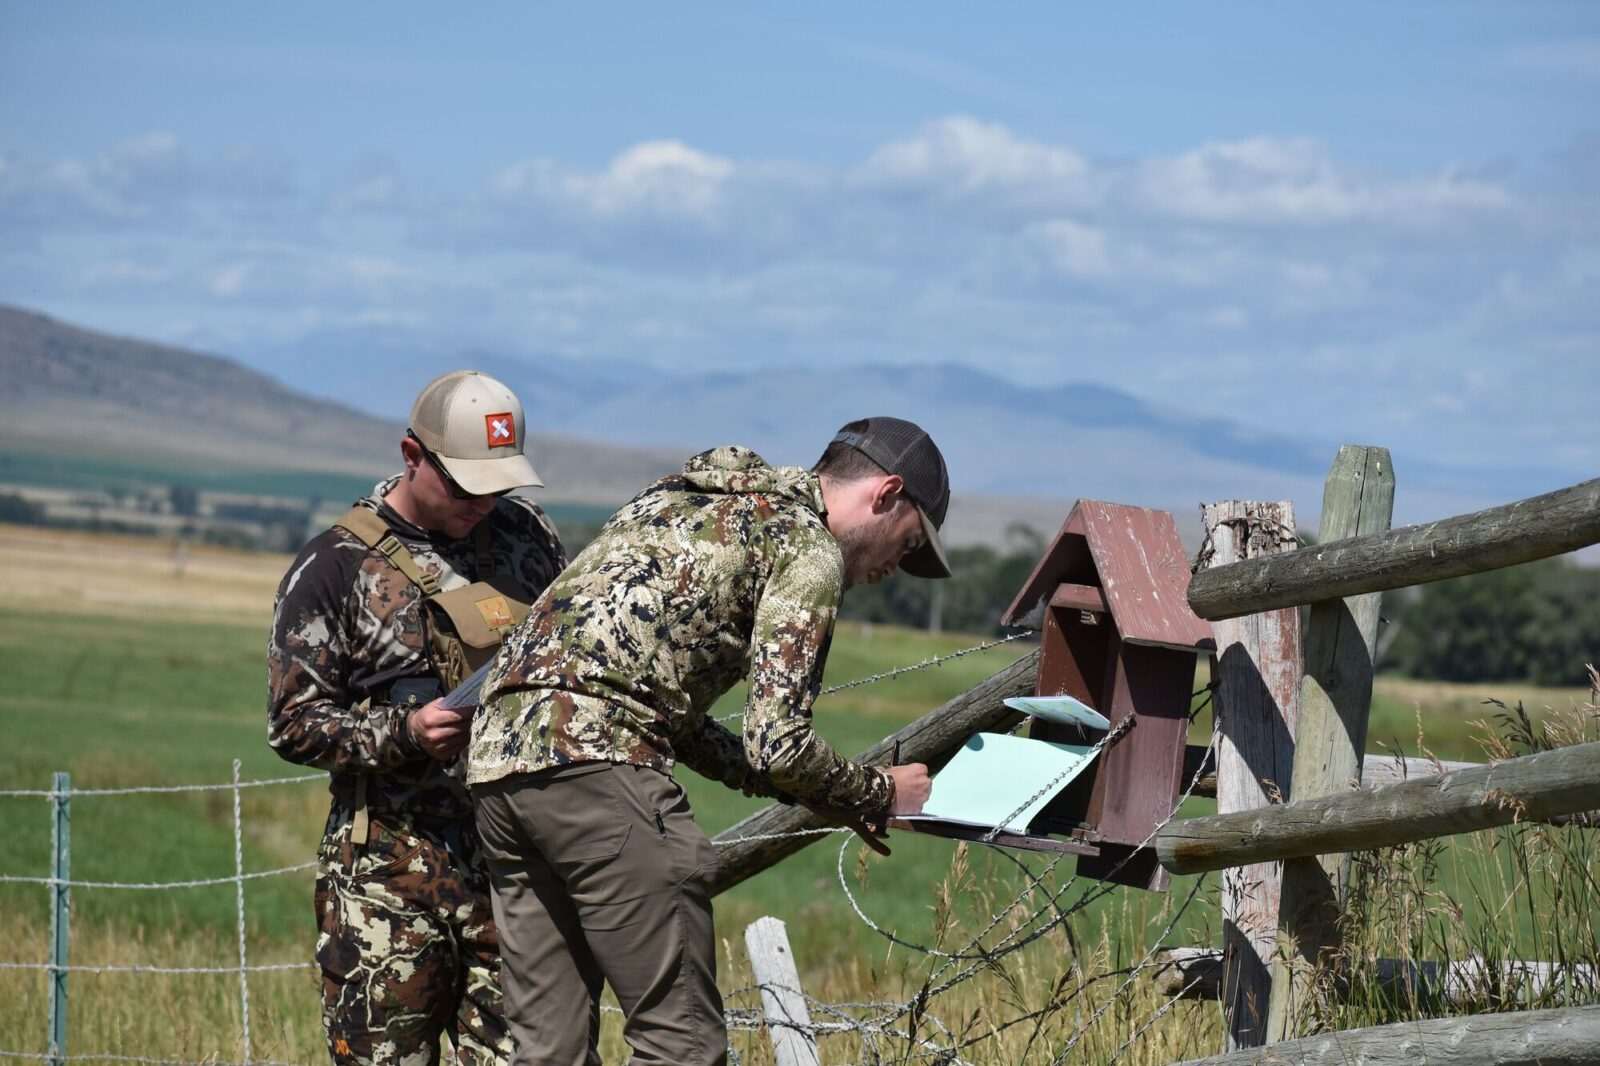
(724, 569)
(348, 624)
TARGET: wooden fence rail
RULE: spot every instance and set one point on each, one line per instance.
(1535, 528)
(1566, 1036)
(1532, 787)
(1197, 973)
(930, 739)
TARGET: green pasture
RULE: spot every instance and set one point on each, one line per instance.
(102, 471)
(105, 472)
(119, 702)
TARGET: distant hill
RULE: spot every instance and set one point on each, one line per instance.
(1014, 449)
(1018, 455)
(71, 389)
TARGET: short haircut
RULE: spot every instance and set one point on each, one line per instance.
(841, 462)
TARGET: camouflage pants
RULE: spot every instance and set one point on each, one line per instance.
(408, 950)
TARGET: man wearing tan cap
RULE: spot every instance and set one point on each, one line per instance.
(375, 620)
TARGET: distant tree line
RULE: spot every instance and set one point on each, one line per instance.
(983, 583)
(1537, 622)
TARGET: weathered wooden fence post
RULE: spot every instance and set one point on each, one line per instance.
(1257, 691)
(788, 1020)
(1331, 734)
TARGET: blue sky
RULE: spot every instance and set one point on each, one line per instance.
(1365, 222)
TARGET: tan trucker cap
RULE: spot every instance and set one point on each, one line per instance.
(473, 425)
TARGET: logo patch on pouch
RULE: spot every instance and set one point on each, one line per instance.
(501, 430)
(496, 612)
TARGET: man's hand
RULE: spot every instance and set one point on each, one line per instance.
(438, 730)
(912, 786)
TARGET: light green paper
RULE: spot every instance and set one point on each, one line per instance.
(999, 779)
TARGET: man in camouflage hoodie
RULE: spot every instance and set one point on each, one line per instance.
(407, 944)
(600, 873)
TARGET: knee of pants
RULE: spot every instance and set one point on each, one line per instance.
(390, 978)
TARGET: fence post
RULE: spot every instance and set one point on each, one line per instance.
(1258, 667)
(788, 1020)
(238, 882)
(1331, 735)
(60, 912)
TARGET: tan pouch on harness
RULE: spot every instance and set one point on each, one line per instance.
(480, 615)
(466, 626)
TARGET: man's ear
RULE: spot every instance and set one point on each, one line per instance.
(883, 496)
(410, 453)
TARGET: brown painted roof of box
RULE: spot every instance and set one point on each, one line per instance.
(1136, 556)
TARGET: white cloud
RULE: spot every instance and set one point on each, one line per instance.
(1075, 248)
(962, 156)
(145, 178)
(962, 241)
(661, 177)
(1266, 180)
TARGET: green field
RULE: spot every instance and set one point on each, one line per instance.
(102, 472)
(119, 701)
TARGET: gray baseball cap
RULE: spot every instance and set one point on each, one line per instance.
(904, 448)
(474, 426)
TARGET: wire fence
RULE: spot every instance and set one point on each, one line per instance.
(911, 1022)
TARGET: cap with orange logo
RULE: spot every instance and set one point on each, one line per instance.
(474, 426)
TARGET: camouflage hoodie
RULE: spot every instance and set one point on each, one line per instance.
(348, 624)
(724, 569)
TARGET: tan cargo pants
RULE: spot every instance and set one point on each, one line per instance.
(601, 875)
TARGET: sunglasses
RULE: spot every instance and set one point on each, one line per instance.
(449, 482)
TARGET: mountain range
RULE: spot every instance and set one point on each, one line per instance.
(600, 430)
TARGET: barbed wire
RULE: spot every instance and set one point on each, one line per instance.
(97, 1056)
(786, 835)
(1027, 931)
(74, 793)
(78, 967)
(203, 882)
(931, 661)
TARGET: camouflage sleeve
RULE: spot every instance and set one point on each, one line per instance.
(713, 751)
(789, 647)
(310, 719)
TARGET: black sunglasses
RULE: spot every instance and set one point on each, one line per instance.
(449, 482)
